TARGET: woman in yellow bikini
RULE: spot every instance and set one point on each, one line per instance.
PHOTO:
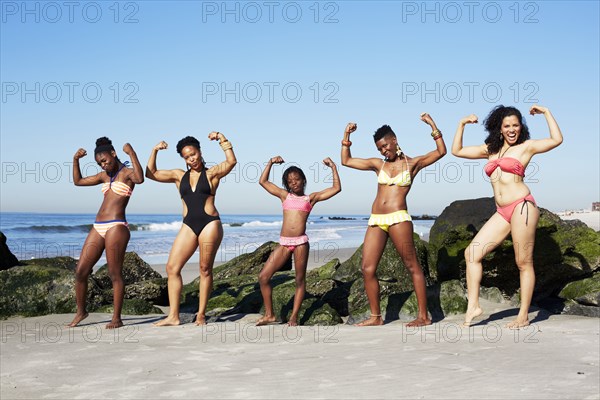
(110, 229)
(389, 215)
(508, 150)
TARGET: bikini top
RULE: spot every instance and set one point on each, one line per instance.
(402, 179)
(120, 188)
(299, 203)
(506, 164)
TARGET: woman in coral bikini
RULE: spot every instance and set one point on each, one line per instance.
(389, 215)
(508, 150)
(110, 230)
(293, 240)
(201, 223)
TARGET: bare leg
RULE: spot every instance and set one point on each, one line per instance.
(300, 262)
(487, 239)
(90, 254)
(401, 235)
(375, 240)
(276, 260)
(523, 241)
(209, 242)
(184, 246)
(116, 241)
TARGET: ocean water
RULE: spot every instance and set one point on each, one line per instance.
(33, 235)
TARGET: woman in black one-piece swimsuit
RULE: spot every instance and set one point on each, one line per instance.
(201, 223)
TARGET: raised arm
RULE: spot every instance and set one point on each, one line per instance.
(555, 139)
(471, 152)
(165, 176)
(137, 176)
(222, 169)
(347, 159)
(329, 192)
(440, 150)
(268, 185)
(77, 179)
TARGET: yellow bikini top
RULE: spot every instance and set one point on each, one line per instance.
(402, 179)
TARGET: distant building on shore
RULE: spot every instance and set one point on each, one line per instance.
(596, 206)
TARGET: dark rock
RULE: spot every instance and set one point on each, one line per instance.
(68, 263)
(248, 264)
(134, 270)
(132, 307)
(154, 291)
(574, 308)
(7, 258)
(492, 294)
(31, 290)
(564, 250)
(390, 268)
(585, 292)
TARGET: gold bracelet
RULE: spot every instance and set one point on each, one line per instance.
(346, 143)
(225, 145)
(437, 137)
(435, 133)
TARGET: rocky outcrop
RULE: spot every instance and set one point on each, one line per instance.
(564, 250)
(134, 270)
(33, 289)
(582, 297)
(47, 286)
(7, 258)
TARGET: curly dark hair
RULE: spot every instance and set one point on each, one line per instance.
(287, 172)
(103, 145)
(493, 123)
(385, 130)
(187, 141)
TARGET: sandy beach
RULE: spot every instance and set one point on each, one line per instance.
(590, 218)
(557, 357)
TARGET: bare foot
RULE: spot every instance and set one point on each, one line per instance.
(419, 322)
(471, 315)
(517, 324)
(115, 323)
(78, 318)
(292, 321)
(374, 320)
(200, 320)
(266, 320)
(169, 321)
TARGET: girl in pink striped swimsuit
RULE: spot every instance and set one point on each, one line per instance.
(293, 239)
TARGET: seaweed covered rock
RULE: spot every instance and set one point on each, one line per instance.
(390, 268)
(564, 250)
(31, 290)
(134, 270)
(154, 291)
(249, 263)
(582, 297)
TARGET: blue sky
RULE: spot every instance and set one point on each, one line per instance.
(284, 78)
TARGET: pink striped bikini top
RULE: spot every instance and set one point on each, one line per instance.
(299, 203)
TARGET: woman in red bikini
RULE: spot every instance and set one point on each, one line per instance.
(389, 215)
(110, 229)
(201, 223)
(508, 150)
(293, 240)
